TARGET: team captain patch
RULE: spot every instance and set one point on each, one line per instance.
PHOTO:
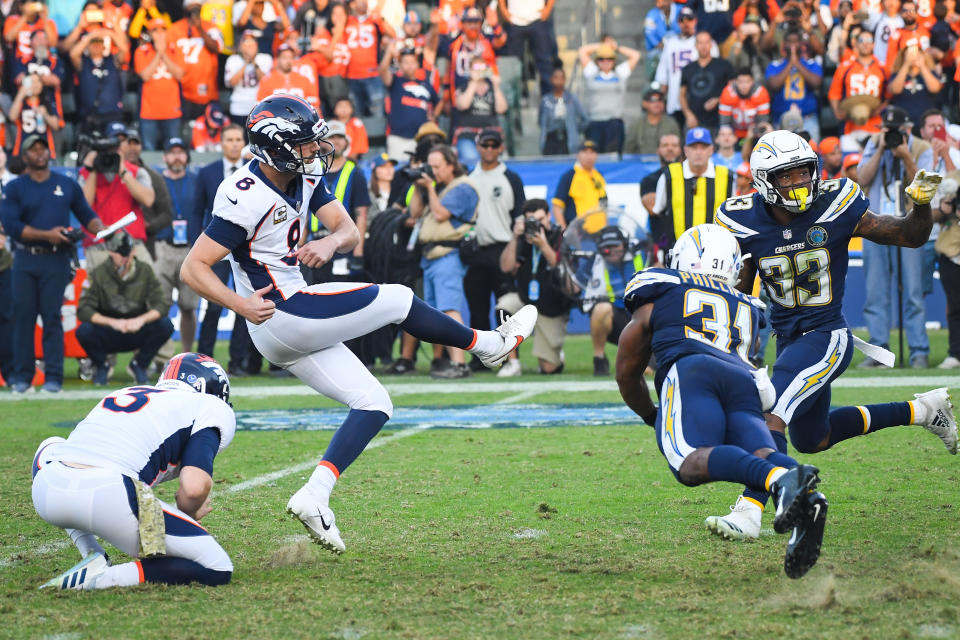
(280, 214)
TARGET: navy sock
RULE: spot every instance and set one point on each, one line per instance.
(170, 570)
(779, 459)
(733, 464)
(436, 327)
(352, 437)
(850, 422)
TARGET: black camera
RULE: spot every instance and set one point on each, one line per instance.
(108, 158)
(793, 13)
(73, 234)
(531, 227)
(892, 138)
(415, 173)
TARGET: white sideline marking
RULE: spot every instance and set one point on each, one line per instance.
(51, 547)
(441, 388)
(523, 395)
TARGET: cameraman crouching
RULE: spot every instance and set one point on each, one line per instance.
(114, 187)
(889, 161)
(35, 211)
(530, 256)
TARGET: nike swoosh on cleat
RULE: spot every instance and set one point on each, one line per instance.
(816, 511)
(323, 523)
(793, 538)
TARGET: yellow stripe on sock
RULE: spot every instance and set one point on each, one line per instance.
(912, 412)
(754, 501)
(766, 482)
(866, 418)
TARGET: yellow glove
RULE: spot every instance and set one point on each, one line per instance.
(924, 186)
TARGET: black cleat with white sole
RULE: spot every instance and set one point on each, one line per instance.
(789, 495)
(803, 549)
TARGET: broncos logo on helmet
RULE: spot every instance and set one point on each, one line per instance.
(277, 127)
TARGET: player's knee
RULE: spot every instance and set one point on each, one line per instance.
(214, 578)
(397, 299)
(692, 472)
(805, 443)
(372, 399)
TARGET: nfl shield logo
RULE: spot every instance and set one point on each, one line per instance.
(787, 234)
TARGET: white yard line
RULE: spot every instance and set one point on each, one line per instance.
(533, 387)
(523, 395)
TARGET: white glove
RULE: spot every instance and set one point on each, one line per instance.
(768, 395)
(924, 186)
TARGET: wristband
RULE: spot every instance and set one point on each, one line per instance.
(90, 169)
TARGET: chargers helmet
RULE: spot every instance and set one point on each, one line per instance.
(276, 128)
(776, 152)
(198, 372)
(710, 250)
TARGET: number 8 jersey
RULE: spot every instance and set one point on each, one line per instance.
(262, 226)
(803, 265)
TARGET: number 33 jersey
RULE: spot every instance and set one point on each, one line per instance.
(803, 265)
(262, 227)
(694, 314)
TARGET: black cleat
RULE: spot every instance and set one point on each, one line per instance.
(804, 546)
(789, 495)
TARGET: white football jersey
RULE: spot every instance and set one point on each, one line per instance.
(272, 222)
(142, 431)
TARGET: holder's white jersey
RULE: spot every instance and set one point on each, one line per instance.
(143, 431)
(262, 227)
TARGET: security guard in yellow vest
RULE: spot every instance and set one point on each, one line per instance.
(349, 186)
(689, 192)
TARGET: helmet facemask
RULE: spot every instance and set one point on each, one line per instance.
(795, 198)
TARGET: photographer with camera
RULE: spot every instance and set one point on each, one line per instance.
(890, 160)
(446, 216)
(947, 214)
(33, 17)
(35, 212)
(123, 308)
(114, 187)
(531, 257)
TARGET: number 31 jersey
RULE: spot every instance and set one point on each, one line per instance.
(262, 226)
(803, 265)
(694, 314)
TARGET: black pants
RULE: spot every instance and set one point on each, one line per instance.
(6, 325)
(99, 341)
(484, 278)
(241, 347)
(950, 279)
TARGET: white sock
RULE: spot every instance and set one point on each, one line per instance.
(86, 542)
(321, 482)
(121, 575)
(775, 475)
(488, 342)
(919, 412)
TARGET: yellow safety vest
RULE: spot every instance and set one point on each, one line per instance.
(637, 267)
(705, 202)
(339, 191)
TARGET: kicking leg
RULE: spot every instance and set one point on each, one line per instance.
(338, 374)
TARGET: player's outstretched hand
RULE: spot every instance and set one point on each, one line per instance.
(256, 309)
(317, 253)
(924, 186)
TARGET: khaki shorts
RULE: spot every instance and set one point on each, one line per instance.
(548, 334)
(167, 269)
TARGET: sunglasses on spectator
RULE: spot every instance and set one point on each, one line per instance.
(655, 98)
(685, 18)
(490, 145)
(908, 10)
(865, 40)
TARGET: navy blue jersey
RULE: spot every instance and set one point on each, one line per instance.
(694, 314)
(803, 265)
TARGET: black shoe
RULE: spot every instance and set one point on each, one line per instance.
(101, 375)
(138, 373)
(280, 373)
(439, 364)
(601, 366)
(401, 367)
(454, 371)
(556, 371)
(789, 495)
(236, 371)
(803, 550)
(475, 365)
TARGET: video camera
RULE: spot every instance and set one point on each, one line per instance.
(107, 147)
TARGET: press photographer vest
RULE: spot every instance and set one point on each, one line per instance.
(440, 238)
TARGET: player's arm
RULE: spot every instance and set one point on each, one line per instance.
(633, 354)
(748, 273)
(912, 230)
(194, 492)
(343, 237)
(197, 272)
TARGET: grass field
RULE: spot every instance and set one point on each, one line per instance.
(546, 532)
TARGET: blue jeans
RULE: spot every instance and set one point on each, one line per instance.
(166, 129)
(879, 311)
(608, 134)
(38, 286)
(99, 341)
(6, 324)
(365, 93)
(467, 151)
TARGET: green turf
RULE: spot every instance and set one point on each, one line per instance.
(534, 533)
